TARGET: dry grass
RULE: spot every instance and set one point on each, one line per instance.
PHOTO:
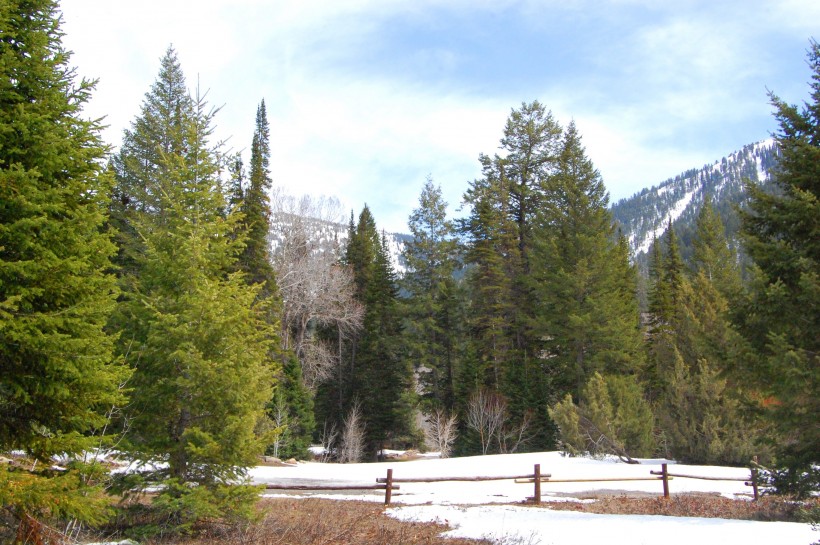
(768, 508)
(319, 522)
(312, 521)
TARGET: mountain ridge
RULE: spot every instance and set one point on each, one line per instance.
(647, 214)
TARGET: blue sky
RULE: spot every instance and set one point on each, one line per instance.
(367, 97)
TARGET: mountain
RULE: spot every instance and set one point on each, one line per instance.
(641, 217)
(646, 214)
(330, 236)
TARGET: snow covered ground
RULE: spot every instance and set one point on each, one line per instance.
(464, 505)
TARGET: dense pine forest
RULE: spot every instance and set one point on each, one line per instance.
(168, 301)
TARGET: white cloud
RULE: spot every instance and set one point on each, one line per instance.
(668, 71)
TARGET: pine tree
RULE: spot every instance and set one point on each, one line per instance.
(489, 250)
(236, 189)
(255, 259)
(665, 296)
(380, 373)
(256, 262)
(499, 245)
(781, 319)
(195, 332)
(586, 286)
(430, 323)
(692, 348)
(59, 375)
(712, 254)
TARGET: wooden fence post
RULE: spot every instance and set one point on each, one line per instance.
(537, 474)
(388, 487)
(665, 477)
(754, 478)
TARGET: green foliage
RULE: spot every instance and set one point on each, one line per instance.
(179, 507)
(702, 420)
(566, 417)
(612, 418)
(298, 404)
(55, 495)
(430, 308)
(255, 257)
(499, 249)
(183, 509)
(632, 416)
(585, 285)
(381, 376)
(693, 350)
(59, 375)
(712, 254)
(197, 334)
(781, 317)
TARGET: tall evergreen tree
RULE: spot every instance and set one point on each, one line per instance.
(194, 332)
(236, 189)
(586, 286)
(712, 254)
(665, 295)
(490, 251)
(59, 375)
(499, 239)
(691, 349)
(781, 320)
(380, 373)
(429, 283)
(255, 259)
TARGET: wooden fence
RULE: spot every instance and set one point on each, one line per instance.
(536, 478)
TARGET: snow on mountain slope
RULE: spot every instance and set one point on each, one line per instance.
(646, 215)
(329, 236)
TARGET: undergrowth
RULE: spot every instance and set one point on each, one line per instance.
(767, 508)
(312, 521)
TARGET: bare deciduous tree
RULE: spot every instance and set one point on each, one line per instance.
(352, 447)
(281, 420)
(486, 411)
(316, 289)
(513, 436)
(440, 431)
(487, 415)
(330, 435)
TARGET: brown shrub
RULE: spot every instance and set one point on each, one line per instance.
(319, 521)
(768, 508)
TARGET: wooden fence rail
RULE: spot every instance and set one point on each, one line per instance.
(665, 476)
(536, 478)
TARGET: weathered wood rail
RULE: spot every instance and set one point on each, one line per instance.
(536, 478)
(666, 476)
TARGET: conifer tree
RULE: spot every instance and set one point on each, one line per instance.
(586, 286)
(194, 331)
(499, 239)
(59, 374)
(380, 372)
(255, 259)
(236, 189)
(489, 249)
(691, 349)
(712, 254)
(430, 323)
(781, 319)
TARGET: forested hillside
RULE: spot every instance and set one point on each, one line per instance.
(645, 216)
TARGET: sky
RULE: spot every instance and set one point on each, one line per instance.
(367, 98)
